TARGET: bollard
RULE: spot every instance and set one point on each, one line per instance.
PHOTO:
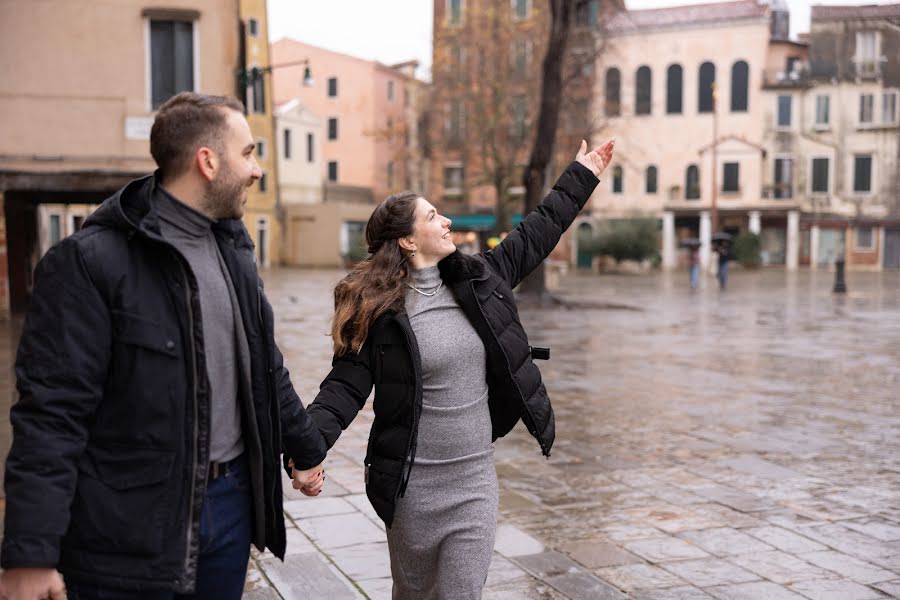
(840, 286)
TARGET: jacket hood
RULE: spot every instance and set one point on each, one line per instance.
(132, 210)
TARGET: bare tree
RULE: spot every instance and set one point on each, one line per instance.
(548, 120)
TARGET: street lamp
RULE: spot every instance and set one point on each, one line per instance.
(248, 77)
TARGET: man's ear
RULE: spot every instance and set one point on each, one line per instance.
(208, 162)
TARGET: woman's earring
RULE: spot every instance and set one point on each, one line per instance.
(413, 253)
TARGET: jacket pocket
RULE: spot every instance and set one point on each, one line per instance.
(382, 477)
(135, 330)
(123, 501)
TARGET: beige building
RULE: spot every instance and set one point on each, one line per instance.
(76, 107)
(680, 91)
(832, 130)
(370, 115)
(317, 233)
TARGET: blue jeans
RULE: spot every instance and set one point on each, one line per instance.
(695, 276)
(723, 275)
(225, 530)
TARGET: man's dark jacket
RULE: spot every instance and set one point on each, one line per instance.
(110, 452)
(389, 359)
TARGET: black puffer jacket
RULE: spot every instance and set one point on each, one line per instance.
(389, 359)
(110, 452)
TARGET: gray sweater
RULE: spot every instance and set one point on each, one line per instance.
(455, 421)
(191, 234)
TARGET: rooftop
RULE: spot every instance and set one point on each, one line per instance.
(687, 16)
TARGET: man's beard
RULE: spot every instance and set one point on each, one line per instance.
(223, 195)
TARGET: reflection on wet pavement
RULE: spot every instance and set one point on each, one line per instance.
(742, 444)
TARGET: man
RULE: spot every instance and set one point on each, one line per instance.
(153, 401)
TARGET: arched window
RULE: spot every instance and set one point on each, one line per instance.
(705, 87)
(674, 76)
(651, 179)
(618, 183)
(643, 91)
(692, 183)
(613, 97)
(740, 73)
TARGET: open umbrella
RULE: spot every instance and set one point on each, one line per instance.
(689, 243)
(721, 237)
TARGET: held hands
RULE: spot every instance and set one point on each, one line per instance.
(310, 481)
(31, 584)
(597, 159)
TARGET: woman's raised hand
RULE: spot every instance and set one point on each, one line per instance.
(597, 159)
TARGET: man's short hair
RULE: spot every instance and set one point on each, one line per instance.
(185, 123)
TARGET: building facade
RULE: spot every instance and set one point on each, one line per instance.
(832, 129)
(76, 107)
(370, 114)
(486, 79)
(262, 216)
(680, 90)
(316, 233)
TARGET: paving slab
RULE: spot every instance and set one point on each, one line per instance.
(848, 566)
(724, 541)
(709, 572)
(594, 554)
(308, 576)
(779, 567)
(835, 589)
(765, 590)
(661, 549)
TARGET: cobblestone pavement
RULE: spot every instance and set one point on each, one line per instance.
(737, 445)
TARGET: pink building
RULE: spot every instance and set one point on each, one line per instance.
(370, 116)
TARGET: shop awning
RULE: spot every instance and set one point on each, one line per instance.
(477, 222)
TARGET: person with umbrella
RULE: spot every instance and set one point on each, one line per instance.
(722, 247)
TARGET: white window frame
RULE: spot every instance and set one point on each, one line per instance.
(148, 63)
(462, 14)
(871, 247)
(262, 148)
(884, 95)
(337, 169)
(872, 122)
(790, 125)
(529, 7)
(809, 179)
(821, 125)
(453, 164)
(253, 23)
(873, 182)
(264, 249)
(859, 60)
(784, 156)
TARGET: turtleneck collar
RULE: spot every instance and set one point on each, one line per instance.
(181, 216)
(427, 277)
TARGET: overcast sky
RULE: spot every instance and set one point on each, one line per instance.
(393, 31)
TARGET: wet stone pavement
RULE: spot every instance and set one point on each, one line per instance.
(743, 445)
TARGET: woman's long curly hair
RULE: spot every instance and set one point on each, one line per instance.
(375, 285)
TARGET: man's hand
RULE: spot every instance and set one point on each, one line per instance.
(310, 481)
(32, 584)
(597, 159)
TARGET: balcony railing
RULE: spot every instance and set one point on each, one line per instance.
(799, 76)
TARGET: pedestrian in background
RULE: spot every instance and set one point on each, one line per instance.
(153, 401)
(694, 266)
(437, 334)
(723, 250)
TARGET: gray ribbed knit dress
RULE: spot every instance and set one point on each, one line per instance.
(442, 537)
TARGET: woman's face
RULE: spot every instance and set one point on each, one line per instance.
(431, 235)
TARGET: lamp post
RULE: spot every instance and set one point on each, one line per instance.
(713, 210)
(248, 77)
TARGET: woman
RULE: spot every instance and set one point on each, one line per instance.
(438, 335)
